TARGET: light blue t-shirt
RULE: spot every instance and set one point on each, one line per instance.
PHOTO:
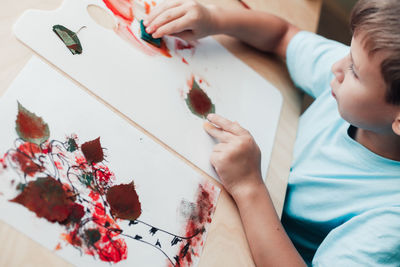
(343, 201)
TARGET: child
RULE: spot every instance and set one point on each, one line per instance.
(343, 198)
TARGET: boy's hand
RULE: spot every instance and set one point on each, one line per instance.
(185, 19)
(237, 157)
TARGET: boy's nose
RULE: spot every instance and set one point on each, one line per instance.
(338, 71)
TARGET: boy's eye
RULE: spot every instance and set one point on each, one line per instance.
(351, 67)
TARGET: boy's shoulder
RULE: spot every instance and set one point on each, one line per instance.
(309, 58)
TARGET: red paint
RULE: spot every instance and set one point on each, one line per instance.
(80, 160)
(164, 49)
(184, 61)
(180, 45)
(147, 7)
(26, 165)
(196, 223)
(153, 3)
(48, 199)
(58, 165)
(108, 247)
(2, 162)
(124, 201)
(93, 151)
(103, 176)
(126, 33)
(58, 247)
(94, 195)
(121, 8)
(30, 149)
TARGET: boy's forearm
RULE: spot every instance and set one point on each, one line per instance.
(261, 30)
(269, 244)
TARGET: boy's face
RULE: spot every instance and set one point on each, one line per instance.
(360, 90)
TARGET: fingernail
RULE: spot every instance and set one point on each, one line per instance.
(145, 22)
(210, 116)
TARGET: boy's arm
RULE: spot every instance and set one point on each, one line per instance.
(236, 159)
(190, 20)
(261, 30)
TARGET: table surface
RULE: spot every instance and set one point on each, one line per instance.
(226, 241)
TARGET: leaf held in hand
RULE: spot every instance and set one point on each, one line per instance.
(30, 127)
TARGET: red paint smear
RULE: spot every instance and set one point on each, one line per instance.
(80, 161)
(30, 149)
(58, 165)
(2, 162)
(124, 201)
(94, 195)
(184, 61)
(58, 247)
(196, 223)
(93, 151)
(244, 4)
(103, 175)
(107, 247)
(27, 166)
(33, 127)
(121, 8)
(48, 199)
(180, 45)
(153, 3)
(147, 7)
(126, 33)
(164, 49)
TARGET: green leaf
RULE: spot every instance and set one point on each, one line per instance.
(30, 127)
(69, 38)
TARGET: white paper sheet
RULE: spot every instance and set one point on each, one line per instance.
(167, 187)
(150, 89)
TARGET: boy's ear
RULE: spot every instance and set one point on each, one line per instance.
(396, 125)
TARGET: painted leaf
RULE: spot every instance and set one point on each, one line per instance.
(92, 151)
(47, 198)
(198, 101)
(69, 38)
(124, 201)
(30, 127)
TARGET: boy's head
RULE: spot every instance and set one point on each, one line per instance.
(367, 81)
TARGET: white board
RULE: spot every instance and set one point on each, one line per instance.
(151, 89)
(167, 187)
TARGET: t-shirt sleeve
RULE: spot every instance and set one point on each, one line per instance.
(369, 239)
(309, 58)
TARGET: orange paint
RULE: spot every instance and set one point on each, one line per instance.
(147, 7)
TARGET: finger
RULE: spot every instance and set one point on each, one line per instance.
(176, 26)
(225, 124)
(169, 16)
(186, 35)
(159, 9)
(217, 133)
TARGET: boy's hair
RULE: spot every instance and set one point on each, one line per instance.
(379, 23)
